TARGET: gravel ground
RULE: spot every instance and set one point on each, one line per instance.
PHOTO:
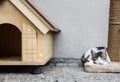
(61, 72)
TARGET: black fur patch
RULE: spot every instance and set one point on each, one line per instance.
(100, 48)
(85, 59)
(99, 54)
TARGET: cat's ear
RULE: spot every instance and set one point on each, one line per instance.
(93, 53)
(104, 52)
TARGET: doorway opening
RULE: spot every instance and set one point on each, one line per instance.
(10, 43)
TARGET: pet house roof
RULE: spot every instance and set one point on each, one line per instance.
(34, 15)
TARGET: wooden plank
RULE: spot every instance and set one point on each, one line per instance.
(16, 60)
(114, 31)
(40, 47)
(48, 39)
(29, 43)
(34, 45)
(34, 19)
(24, 42)
(19, 63)
(115, 23)
(31, 46)
(25, 2)
(114, 55)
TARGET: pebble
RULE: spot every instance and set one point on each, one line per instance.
(61, 73)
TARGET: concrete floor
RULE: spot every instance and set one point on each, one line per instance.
(60, 72)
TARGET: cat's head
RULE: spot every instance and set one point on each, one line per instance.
(99, 57)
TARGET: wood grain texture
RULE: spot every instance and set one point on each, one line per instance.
(114, 31)
(30, 16)
(36, 47)
(40, 16)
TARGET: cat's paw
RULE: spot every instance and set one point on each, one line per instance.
(88, 64)
(103, 63)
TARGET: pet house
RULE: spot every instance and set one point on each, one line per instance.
(25, 34)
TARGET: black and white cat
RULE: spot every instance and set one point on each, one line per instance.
(98, 55)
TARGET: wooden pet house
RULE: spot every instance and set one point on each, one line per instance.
(25, 34)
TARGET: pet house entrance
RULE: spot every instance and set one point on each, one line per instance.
(10, 43)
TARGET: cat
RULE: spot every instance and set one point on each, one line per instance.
(98, 55)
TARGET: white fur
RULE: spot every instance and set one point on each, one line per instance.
(101, 61)
(98, 61)
(89, 63)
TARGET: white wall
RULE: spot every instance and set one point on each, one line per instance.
(84, 24)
